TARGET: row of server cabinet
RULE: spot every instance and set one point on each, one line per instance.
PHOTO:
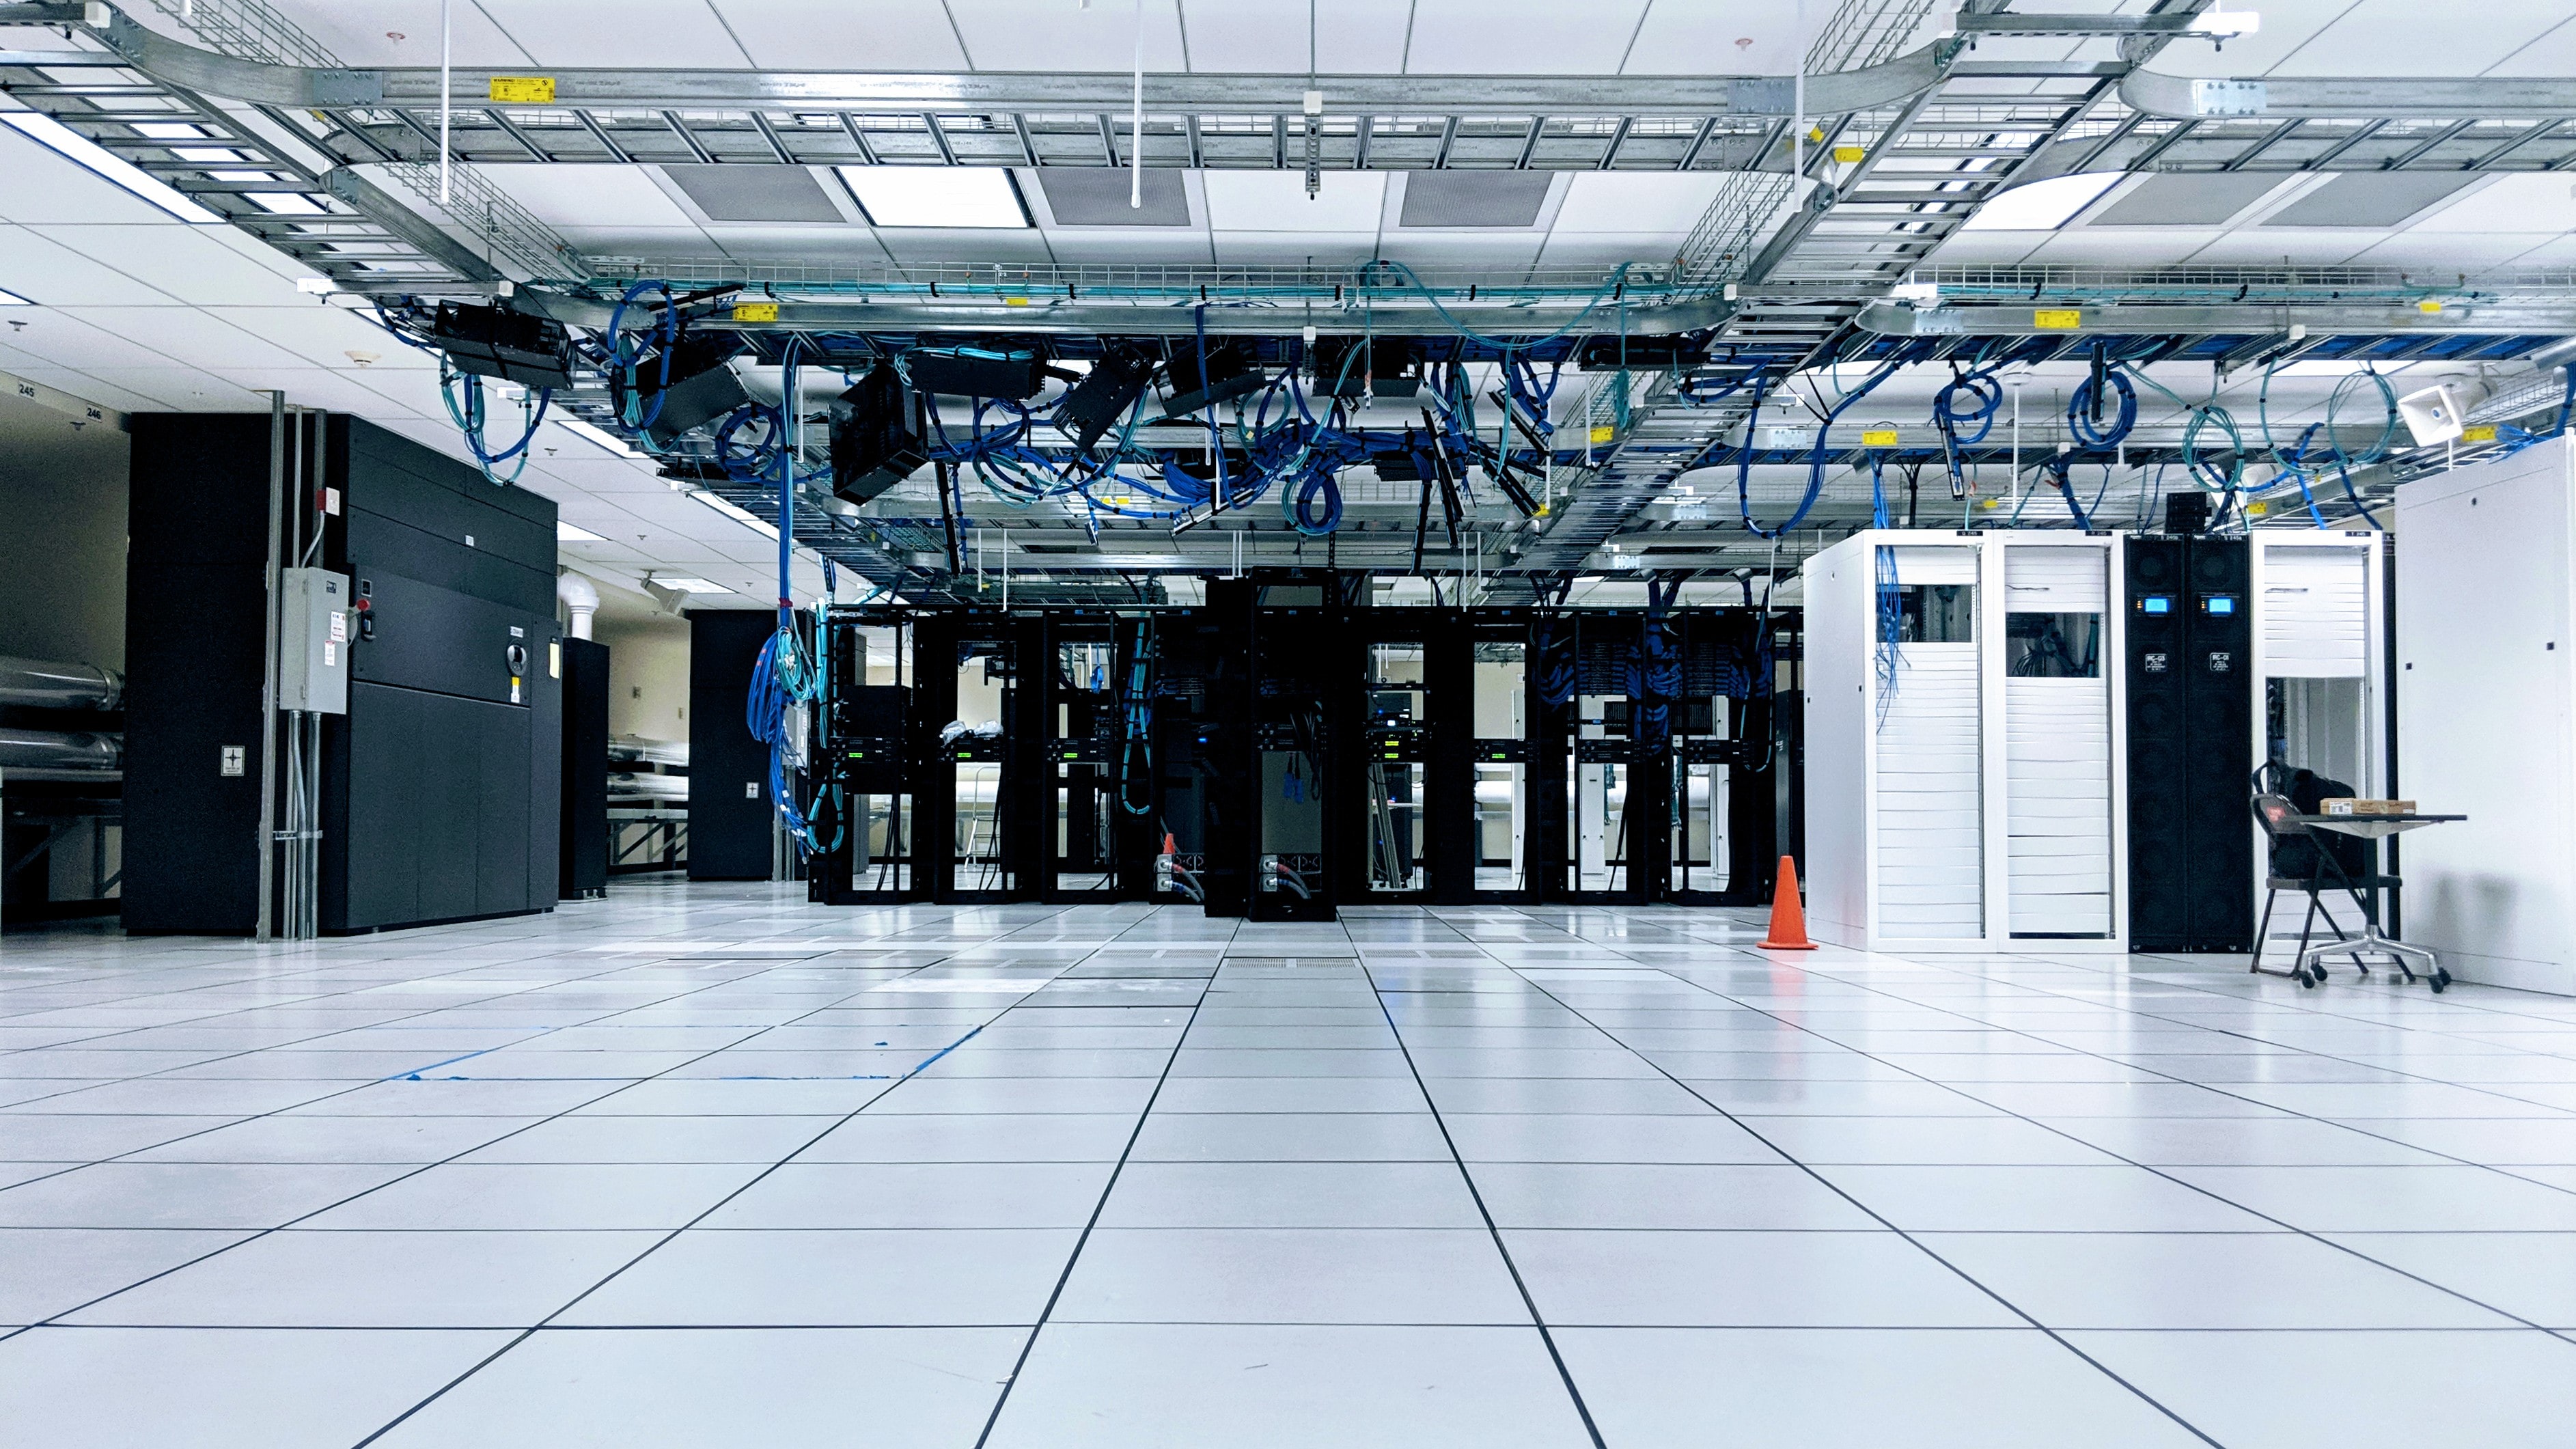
(2049, 742)
(1284, 751)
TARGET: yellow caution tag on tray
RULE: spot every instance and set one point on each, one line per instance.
(1603, 435)
(755, 311)
(2480, 433)
(2057, 319)
(1878, 437)
(1849, 154)
(2257, 510)
(2428, 305)
(523, 90)
(1015, 301)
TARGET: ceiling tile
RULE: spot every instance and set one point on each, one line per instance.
(1710, 39)
(132, 392)
(678, 33)
(588, 196)
(1051, 35)
(2186, 199)
(837, 35)
(1288, 248)
(2524, 203)
(1085, 196)
(364, 34)
(49, 274)
(1277, 201)
(2369, 198)
(1521, 37)
(1351, 37)
(1474, 199)
(755, 193)
(2407, 37)
(1635, 201)
(2288, 25)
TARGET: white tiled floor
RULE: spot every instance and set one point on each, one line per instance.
(707, 1166)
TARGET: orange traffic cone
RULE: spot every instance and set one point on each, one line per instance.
(1788, 919)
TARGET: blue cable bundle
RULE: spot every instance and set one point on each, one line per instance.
(1815, 455)
(1968, 398)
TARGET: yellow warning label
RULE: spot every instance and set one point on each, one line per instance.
(1850, 153)
(2481, 433)
(2428, 305)
(1603, 435)
(523, 90)
(1878, 437)
(2257, 510)
(2057, 319)
(755, 311)
(1015, 301)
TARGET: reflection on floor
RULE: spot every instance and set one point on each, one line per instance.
(706, 1166)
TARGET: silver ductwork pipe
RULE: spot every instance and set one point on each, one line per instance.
(59, 750)
(43, 685)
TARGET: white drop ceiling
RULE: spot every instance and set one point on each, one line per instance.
(139, 312)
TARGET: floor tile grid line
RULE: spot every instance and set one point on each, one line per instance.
(1916, 1242)
(1055, 1294)
(2309, 1006)
(534, 1033)
(2230, 1033)
(288, 952)
(2220, 1089)
(2152, 1168)
(54, 1319)
(665, 1240)
(1520, 1285)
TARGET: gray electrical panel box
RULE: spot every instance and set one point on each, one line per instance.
(313, 641)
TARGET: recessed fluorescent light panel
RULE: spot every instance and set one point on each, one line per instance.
(594, 433)
(738, 515)
(2043, 205)
(575, 533)
(945, 196)
(53, 135)
(693, 586)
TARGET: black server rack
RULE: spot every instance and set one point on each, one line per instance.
(584, 864)
(731, 836)
(2190, 726)
(453, 726)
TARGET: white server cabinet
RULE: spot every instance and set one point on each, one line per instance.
(1965, 736)
(2486, 716)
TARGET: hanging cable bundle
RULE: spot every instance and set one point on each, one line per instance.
(1815, 455)
(463, 393)
(2085, 407)
(1969, 398)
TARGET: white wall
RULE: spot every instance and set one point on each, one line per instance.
(648, 678)
(2486, 622)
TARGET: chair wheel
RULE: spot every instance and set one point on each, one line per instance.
(2439, 981)
(2304, 978)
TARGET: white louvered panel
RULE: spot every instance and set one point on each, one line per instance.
(2315, 617)
(2054, 580)
(2057, 793)
(1935, 564)
(1930, 847)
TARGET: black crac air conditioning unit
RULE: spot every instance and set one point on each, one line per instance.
(874, 443)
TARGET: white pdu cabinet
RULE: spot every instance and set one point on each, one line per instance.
(1965, 742)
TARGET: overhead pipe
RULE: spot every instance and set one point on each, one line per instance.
(60, 750)
(39, 684)
(580, 599)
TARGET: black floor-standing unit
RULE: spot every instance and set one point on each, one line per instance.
(730, 834)
(584, 865)
(437, 788)
(2191, 744)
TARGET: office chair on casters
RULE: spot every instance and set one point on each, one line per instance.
(2302, 860)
